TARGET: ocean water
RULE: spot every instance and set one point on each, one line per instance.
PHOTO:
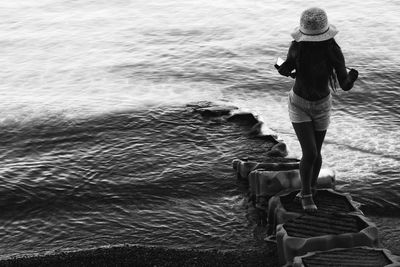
(98, 147)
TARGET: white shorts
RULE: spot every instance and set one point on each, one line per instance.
(303, 110)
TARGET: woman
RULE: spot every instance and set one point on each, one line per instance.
(318, 61)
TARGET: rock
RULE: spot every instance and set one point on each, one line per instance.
(268, 138)
(199, 104)
(326, 176)
(269, 183)
(360, 256)
(278, 150)
(208, 109)
(215, 111)
(265, 184)
(322, 232)
(256, 129)
(245, 118)
(284, 206)
(235, 164)
(244, 167)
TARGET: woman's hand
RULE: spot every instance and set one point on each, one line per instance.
(286, 70)
(350, 79)
(353, 75)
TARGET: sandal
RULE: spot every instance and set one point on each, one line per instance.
(314, 192)
(308, 204)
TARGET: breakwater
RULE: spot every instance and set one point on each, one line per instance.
(338, 234)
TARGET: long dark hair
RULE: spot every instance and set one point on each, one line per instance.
(315, 58)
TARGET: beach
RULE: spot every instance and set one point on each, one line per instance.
(152, 256)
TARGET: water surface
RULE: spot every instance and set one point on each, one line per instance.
(98, 148)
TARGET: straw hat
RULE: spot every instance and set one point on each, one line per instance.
(314, 26)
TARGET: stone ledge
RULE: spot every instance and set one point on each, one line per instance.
(328, 231)
(244, 167)
(284, 207)
(357, 256)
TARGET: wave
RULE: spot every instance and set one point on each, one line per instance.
(102, 170)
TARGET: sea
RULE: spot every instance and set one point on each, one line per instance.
(99, 147)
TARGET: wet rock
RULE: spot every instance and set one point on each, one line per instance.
(215, 111)
(199, 104)
(255, 129)
(245, 118)
(265, 184)
(278, 150)
(321, 232)
(285, 206)
(360, 256)
(245, 166)
(208, 109)
(268, 138)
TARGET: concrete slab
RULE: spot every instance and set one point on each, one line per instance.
(321, 232)
(358, 256)
(284, 207)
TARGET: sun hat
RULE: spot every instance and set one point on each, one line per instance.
(314, 26)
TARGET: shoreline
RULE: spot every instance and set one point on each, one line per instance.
(127, 255)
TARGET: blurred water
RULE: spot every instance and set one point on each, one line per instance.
(69, 66)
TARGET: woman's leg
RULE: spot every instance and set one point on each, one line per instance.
(306, 136)
(319, 139)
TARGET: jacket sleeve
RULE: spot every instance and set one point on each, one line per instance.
(290, 63)
(338, 62)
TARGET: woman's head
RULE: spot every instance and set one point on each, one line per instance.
(314, 27)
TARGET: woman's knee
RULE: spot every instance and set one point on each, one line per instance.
(311, 156)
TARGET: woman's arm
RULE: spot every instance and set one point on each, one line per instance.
(346, 80)
(290, 64)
